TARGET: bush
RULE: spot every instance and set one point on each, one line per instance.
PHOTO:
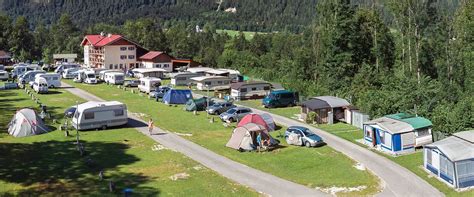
(310, 118)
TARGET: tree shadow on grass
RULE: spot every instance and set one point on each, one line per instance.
(55, 167)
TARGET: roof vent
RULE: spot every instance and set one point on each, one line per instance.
(102, 34)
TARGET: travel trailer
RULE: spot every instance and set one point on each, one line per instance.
(102, 74)
(115, 78)
(53, 79)
(95, 115)
(20, 69)
(70, 73)
(148, 84)
(25, 78)
(40, 85)
(182, 78)
(90, 77)
(148, 72)
(212, 82)
(249, 90)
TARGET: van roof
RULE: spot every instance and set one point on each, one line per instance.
(94, 104)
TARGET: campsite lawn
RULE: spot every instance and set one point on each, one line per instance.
(49, 164)
(413, 162)
(315, 167)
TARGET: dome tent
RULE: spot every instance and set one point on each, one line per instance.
(26, 123)
(254, 118)
(245, 137)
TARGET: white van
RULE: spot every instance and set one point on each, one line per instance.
(53, 79)
(115, 78)
(3, 75)
(94, 115)
(29, 76)
(148, 84)
(70, 73)
(90, 77)
(40, 85)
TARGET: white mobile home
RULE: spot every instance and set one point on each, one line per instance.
(250, 90)
(452, 159)
(102, 73)
(94, 115)
(116, 78)
(148, 72)
(183, 78)
(148, 84)
(53, 79)
(70, 73)
(212, 82)
(199, 70)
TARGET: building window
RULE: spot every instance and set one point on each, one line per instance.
(243, 89)
(368, 132)
(131, 48)
(226, 82)
(111, 66)
(88, 115)
(123, 48)
(428, 156)
(157, 65)
(131, 57)
(219, 82)
(253, 89)
(382, 136)
(118, 112)
(266, 88)
(166, 65)
(446, 167)
(116, 66)
(121, 66)
(207, 83)
(123, 57)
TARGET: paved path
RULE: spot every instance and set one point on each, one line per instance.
(398, 181)
(242, 174)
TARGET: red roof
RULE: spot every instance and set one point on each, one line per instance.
(151, 55)
(100, 41)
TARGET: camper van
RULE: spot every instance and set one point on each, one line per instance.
(280, 98)
(183, 78)
(29, 76)
(95, 115)
(115, 78)
(148, 84)
(53, 79)
(3, 75)
(89, 77)
(40, 85)
(60, 69)
(70, 73)
(20, 69)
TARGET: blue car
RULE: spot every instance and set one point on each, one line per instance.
(302, 136)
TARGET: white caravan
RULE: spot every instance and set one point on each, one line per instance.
(60, 68)
(148, 84)
(25, 78)
(102, 74)
(53, 79)
(115, 78)
(3, 75)
(40, 85)
(183, 78)
(20, 69)
(70, 73)
(95, 115)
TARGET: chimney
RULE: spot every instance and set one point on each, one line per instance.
(109, 35)
(102, 34)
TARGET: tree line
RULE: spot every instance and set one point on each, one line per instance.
(421, 61)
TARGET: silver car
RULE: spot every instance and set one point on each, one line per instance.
(235, 114)
(219, 108)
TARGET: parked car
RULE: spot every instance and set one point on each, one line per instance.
(302, 136)
(159, 92)
(70, 112)
(280, 98)
(131, 83)
(235, 114)
(219, 107)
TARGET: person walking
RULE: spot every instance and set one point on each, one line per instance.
(150, 126)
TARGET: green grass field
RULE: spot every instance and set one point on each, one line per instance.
(232, 33)
(413, 162)
(50, 165)
(314, 167)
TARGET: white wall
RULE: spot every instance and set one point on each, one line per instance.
(86, 55)
(112, 56)
(168, 66)
(259, 91)
(214, 83)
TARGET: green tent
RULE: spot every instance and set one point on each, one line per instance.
(196, 104)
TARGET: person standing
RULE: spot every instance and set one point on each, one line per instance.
(150, 126)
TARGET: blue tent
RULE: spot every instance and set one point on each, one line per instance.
(177, 96)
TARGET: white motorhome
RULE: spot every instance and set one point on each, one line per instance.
(20, 69)
(53, 79)
(3, 75)
(70, 73)
(89, 77)
(25, 78)
(116, 78)
(212, 82)
(250, 90)
(148, 72)
(183, 78)
(95, 115)
(40, 85)
(148, 84)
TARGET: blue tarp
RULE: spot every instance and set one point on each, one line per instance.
(177, 96)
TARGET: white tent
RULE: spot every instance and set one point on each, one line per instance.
(26, 123)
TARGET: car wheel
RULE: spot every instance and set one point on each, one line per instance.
(104, 127)
(307, 144)
(231, 119)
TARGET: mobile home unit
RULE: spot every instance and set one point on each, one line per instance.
(212, 82)
(116, 78)
(182, 78)
(250, 90)
(328, 109)
(148, 84)
(148, 72)
(452, 159)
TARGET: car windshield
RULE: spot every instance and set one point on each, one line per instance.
(307, 132)
(271, 96)
(231, 111)
(216, 105)
(90, 76)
